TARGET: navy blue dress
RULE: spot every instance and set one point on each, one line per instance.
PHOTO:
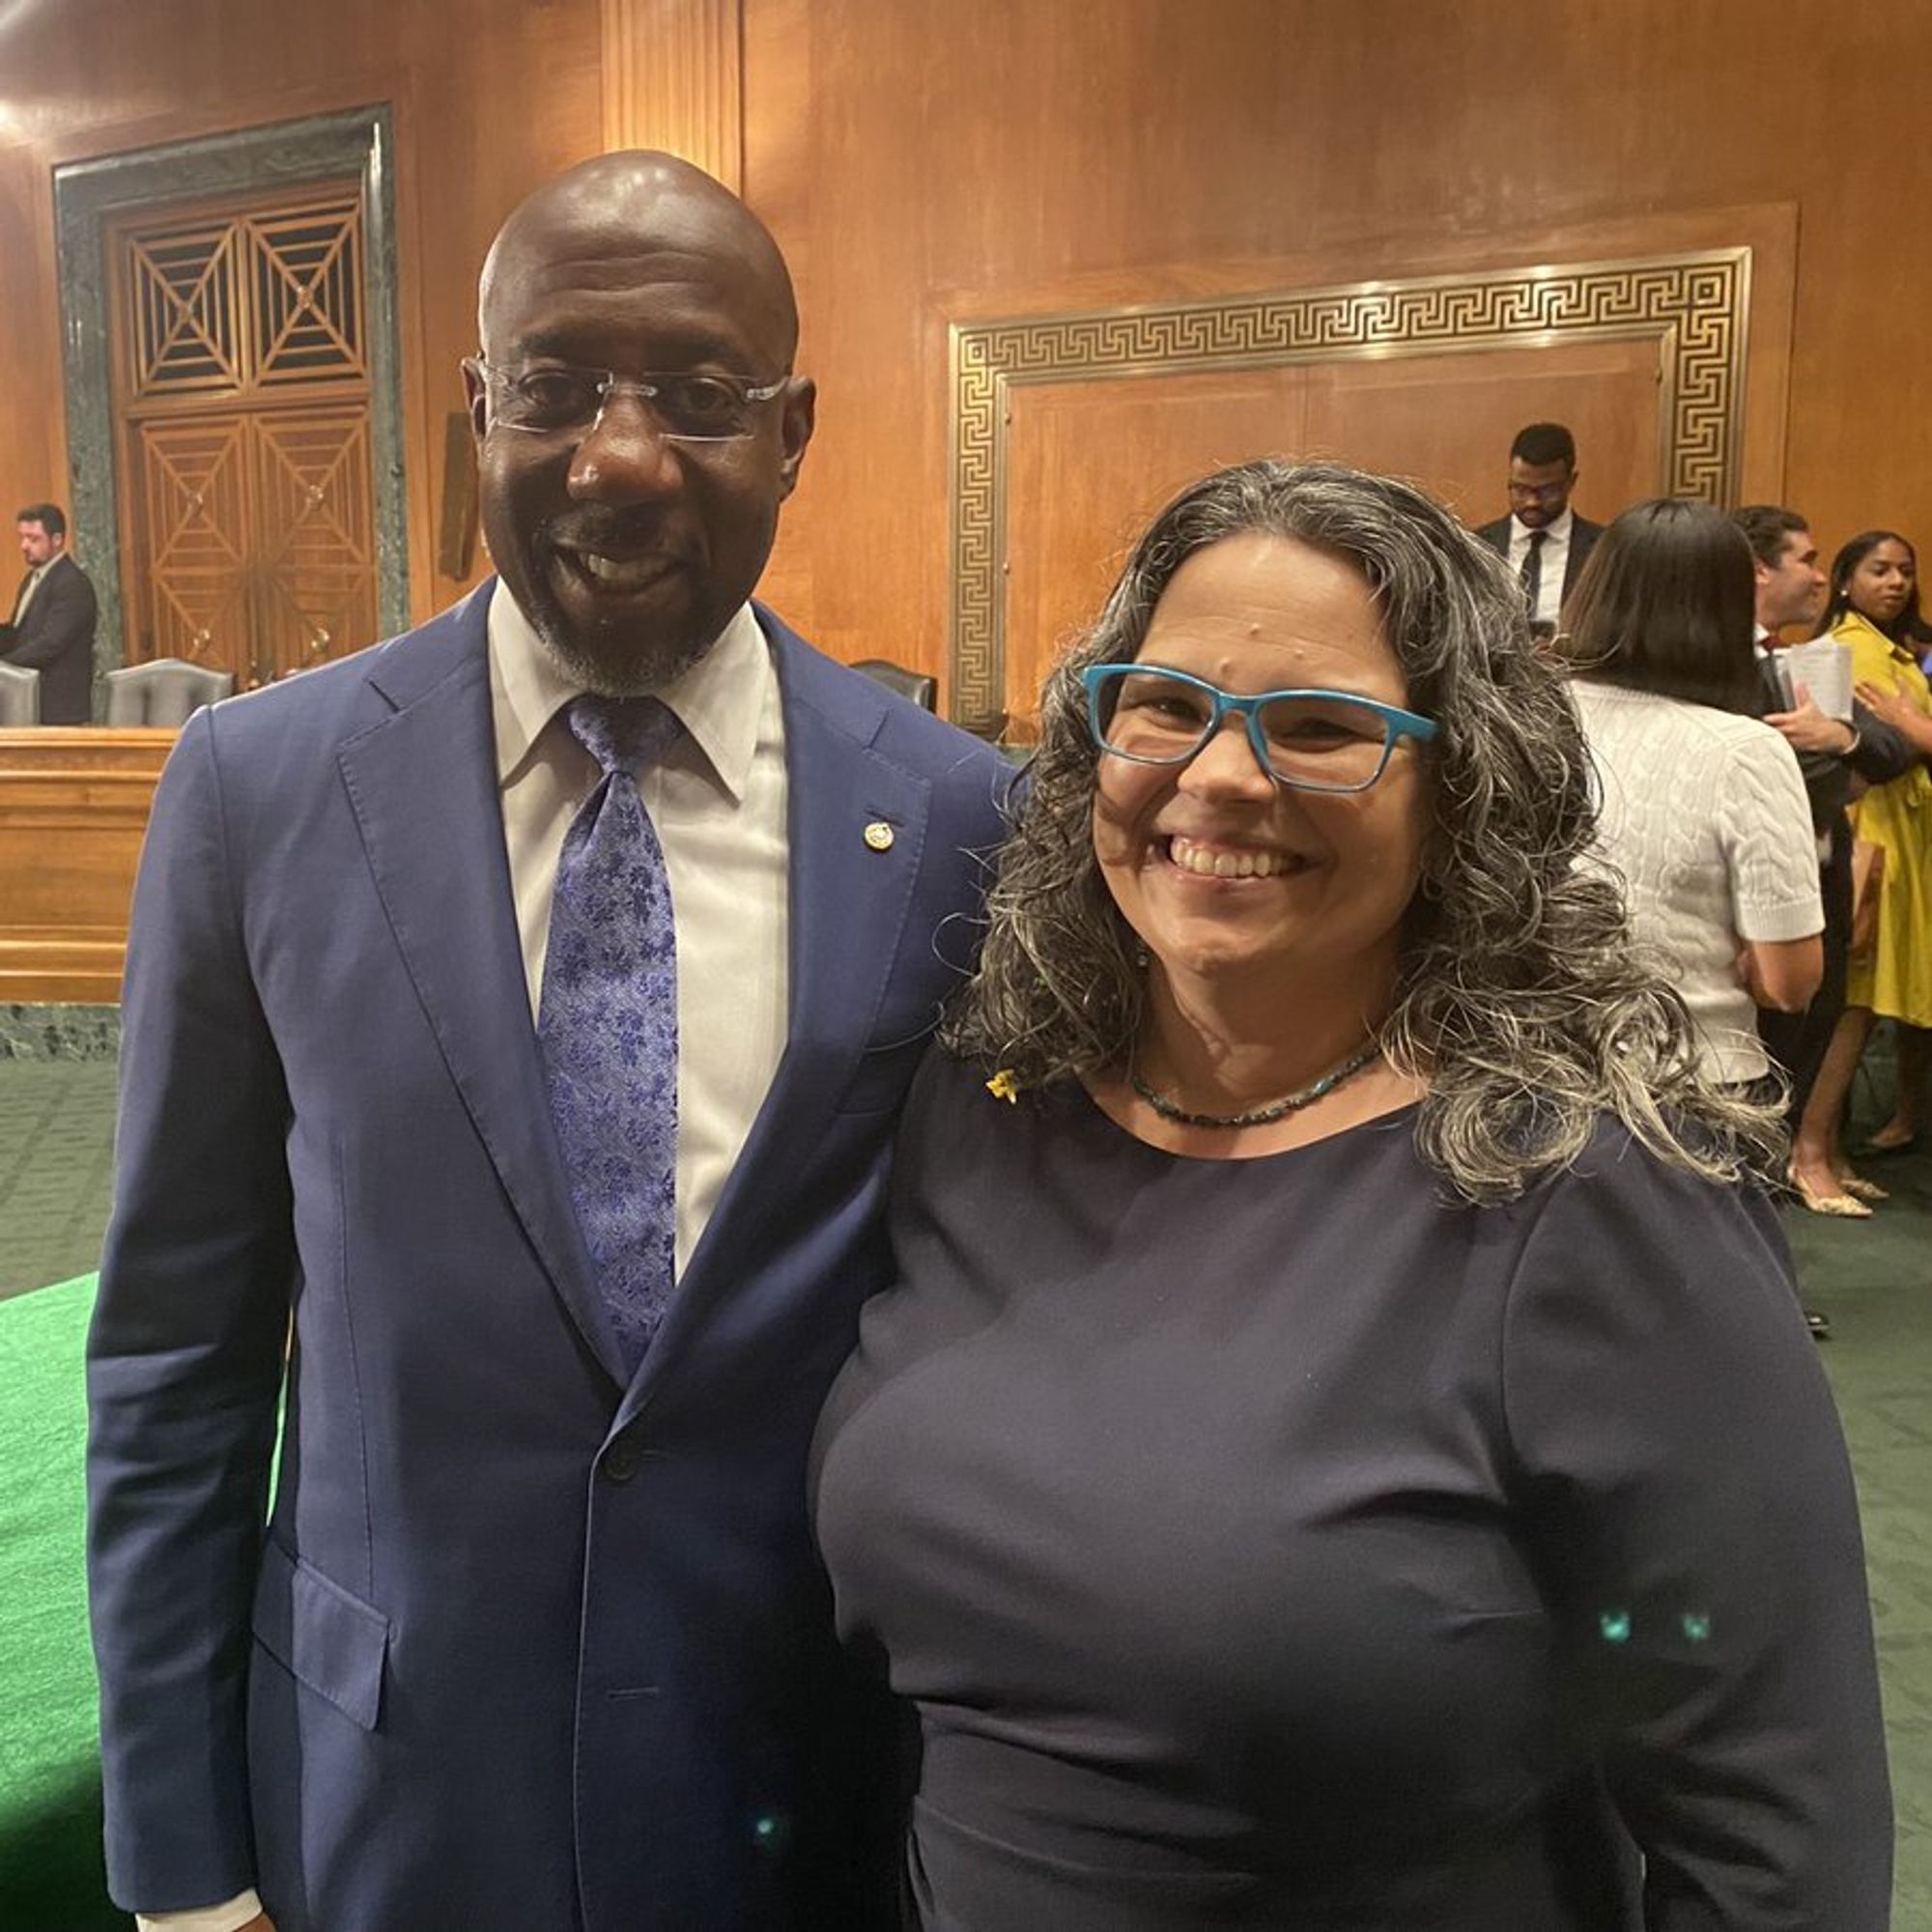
(1278, 1543)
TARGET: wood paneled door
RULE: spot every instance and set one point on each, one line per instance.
(241, 404)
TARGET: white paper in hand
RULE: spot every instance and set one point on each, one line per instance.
(1824, 668)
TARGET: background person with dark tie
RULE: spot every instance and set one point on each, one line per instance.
(51, 629)
(1546, 543)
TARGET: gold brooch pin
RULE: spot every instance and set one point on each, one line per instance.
(1004, 1086)
(879, 836)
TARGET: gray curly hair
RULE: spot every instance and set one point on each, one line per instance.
(1519, 998)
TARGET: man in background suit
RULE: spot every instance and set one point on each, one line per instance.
(1832, 754)
(522, 1101)
(51, 630)
(1544, 541)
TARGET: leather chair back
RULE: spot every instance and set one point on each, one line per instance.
(166, 692)
(917, 684)
(19, 695)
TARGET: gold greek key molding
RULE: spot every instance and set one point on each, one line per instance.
(674, 78)
(1694, 307)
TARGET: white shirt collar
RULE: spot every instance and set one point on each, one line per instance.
(1557, 531)
(527, 690)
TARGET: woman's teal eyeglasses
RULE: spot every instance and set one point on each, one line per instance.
(1313, 740)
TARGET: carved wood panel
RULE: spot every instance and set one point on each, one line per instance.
(258, 554)
(316, 563)
(243, 415)
(191, 501)
(244, 300)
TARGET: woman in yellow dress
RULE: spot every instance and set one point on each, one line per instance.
(1874, 609)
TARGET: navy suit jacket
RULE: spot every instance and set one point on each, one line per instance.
(56, 638)
(526, 1647)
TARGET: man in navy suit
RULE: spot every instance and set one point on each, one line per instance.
(51, 630)
(532, 1637)
(1544, 541)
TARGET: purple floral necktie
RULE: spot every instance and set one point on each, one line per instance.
(607, 1020)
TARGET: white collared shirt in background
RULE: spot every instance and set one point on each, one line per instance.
(32, 583)
(1550, 569)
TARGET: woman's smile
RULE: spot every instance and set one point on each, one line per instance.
(1204, 858)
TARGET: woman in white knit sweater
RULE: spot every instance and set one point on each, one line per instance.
(1704, 813)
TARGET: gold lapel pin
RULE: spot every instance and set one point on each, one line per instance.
(879, 836)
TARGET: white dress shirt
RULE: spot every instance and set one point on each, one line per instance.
(718, 801)
(1550, 569)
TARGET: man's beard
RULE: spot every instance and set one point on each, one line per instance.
(610, 659)
(615, 672)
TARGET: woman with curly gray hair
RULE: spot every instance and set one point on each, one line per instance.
(1343, 1450)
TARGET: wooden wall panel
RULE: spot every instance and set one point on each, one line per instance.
(491, 97)
(924, 163)
(1089, 463)
(671, 80)
(1444, 421)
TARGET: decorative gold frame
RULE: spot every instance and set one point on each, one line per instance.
(1694, 306)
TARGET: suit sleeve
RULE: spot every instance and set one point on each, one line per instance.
(1692, 1510)
(184, 1361)
(67, 620)
(1882, 753)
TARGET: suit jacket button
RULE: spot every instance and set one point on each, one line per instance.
(622, 1459)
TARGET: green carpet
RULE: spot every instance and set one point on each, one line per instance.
(52, 1877)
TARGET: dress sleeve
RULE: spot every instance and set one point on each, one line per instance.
(1769, 843)
(1692, 1512)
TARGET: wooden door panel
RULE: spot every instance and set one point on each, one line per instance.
(195, 511)
(308, 294)
(242, 389)
(183, 315)
(316, 559)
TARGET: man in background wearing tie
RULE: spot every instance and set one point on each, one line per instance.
(1545, 542)
(51, 630)
(516, 1019)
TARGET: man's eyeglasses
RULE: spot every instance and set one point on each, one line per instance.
(555, 400)
(1537, 493)
(1311, 740)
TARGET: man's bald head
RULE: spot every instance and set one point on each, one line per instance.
(625, 198)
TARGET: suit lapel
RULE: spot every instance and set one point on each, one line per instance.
(422, 785)
(849, 900)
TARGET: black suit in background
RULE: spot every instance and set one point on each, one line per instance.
(1796, 1041)
(56, 638)
(1583, 535)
